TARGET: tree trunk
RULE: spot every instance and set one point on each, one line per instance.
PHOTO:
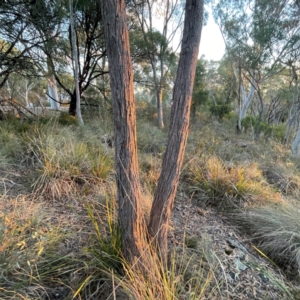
(72, 107)
(52, 90)
(294, 111)
(121, 81)
(160, 108)
(180, 115)
(158, 90)
(296, 144)
(246, 100)
(76, 66)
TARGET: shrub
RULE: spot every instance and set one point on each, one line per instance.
(277, 132)
(220, 110)
(248, 122)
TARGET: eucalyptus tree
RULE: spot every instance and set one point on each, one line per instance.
(155, 40)
(47, 18)
(75, 60)
(129, 192)
(258, 34)
(89, 44)
(200, 93)
(17, 38)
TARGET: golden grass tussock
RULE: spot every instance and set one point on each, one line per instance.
(229, 184)
(69, 248)
(66, 164)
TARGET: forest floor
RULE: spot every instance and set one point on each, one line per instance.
(240, 271)
(46, 232)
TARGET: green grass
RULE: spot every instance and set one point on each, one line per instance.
(70, 246)
(65, 162)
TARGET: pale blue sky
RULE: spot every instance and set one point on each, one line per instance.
(212, 44)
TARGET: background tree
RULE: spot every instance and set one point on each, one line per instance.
(17, 38)
(75, 60)
(256, 38)
(156, 45)
(200, 93)
(90, 50)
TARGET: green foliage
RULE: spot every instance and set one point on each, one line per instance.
(200, 94)
(248, 122)
(153, 42)
(220, 111)
(276, 132)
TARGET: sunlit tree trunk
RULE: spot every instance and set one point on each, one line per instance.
(121, 75)
(180, 116)
(121, 81)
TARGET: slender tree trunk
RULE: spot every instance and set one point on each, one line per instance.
(180, 115)
(52, 90)
(296, 141)
(260, 113)
(121, 81)
(72, 107)
(293, 113)
(160, 114)
(246, 100)
(158, 90)
(76, 64)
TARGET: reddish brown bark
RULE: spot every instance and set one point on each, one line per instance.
(130, 217)
(121, 80)
(180, 115)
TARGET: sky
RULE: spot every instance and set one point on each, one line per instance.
(211, 44)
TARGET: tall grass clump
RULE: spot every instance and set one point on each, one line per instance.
(66, 163)
(276, 232)
(103, 257)
(107, 275)
(229, 185)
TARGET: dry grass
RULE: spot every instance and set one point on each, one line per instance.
(276, 231)
(66, 163)
(68, 248)
(227, 185)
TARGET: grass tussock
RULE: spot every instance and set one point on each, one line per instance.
(229, 185)
(66, 163)
(12, 141)
(107, 275)
(276, 231)
(72, 249)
